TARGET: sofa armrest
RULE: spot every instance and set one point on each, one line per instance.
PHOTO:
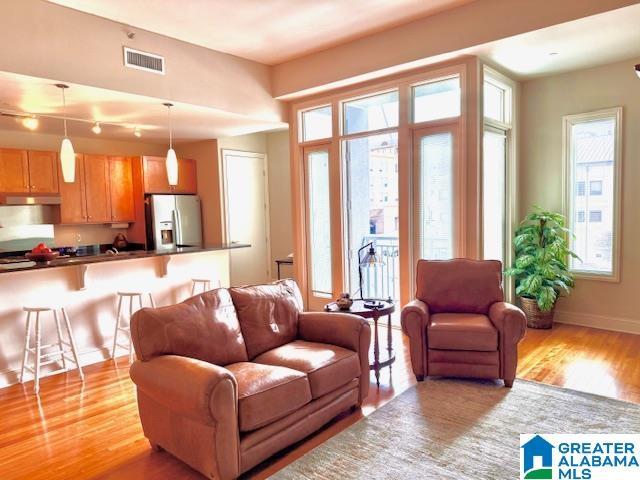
(511, 324)
(414, 320)
(199, 390)
(344, 330)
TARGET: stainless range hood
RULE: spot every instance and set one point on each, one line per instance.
(27, 200)
(24, 226)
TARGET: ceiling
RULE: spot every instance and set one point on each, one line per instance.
(597, 40)
(190, 122)
(267, 31)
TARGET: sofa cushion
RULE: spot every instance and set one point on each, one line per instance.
(460, 285)
(462, 331)
(268, 314)
(204, 327)
(267, 393)
(328, 367)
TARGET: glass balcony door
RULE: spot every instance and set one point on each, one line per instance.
(371, 167)
(318, 225)
(438, 228)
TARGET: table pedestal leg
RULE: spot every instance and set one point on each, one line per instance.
(376, 351)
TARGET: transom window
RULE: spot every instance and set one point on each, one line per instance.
(436, 99)
(316, 123)
(366, 114)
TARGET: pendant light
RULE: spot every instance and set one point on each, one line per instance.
(172, 160)
(67, 155)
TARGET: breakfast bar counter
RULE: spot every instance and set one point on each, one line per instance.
(87, 287)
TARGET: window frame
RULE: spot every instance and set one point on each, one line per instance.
(568, 121)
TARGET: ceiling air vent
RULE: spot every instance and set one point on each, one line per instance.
(143, 61)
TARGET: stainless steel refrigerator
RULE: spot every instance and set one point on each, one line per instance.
(173, 221)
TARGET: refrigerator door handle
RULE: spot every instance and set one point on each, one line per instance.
(177, 227)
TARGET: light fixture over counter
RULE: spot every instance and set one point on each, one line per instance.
(172, 160)
(67, 155)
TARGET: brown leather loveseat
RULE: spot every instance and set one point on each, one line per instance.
(459, 324)
(229, 377)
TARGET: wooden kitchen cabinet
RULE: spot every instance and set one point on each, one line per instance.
(96, 177)
(28, 172)
(14, 171)
(43, 172)
(102, 192)
(155, 176)
(73, 200)
(121, 189)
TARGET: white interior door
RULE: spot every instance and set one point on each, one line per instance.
(246, 212)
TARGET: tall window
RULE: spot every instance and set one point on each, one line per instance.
(592, 160)
(495, 154)
(319, 223)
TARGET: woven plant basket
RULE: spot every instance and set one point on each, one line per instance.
(536, 318)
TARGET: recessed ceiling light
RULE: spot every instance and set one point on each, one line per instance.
(137, 132)
(97, 129)
(553, 54)
(31, 122)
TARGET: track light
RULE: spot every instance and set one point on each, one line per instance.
(137, 132)
(31, 122)
(97, 129)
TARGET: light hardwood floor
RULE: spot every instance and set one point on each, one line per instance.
(92, 431)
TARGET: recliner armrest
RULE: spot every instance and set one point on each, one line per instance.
(509, 320)
(202, 391)
(414, 320)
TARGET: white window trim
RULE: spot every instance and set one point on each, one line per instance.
(567, 174)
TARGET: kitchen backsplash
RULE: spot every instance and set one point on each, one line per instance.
(71, 235)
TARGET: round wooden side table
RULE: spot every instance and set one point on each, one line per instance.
(387, 308)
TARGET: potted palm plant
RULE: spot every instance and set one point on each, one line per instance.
(541, 265)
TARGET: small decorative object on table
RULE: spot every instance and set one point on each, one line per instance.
(344, 301)
(360, 308)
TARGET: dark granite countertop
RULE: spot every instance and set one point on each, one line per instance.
(104, 257)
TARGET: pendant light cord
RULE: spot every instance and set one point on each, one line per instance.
(170, 128)
(64, 113)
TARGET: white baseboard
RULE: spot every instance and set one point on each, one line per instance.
(10, 376)
(617, 324)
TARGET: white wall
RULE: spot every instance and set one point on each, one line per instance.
(543, 103)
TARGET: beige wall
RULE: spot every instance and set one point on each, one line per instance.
(428, 40)
(280, 198)
(205, 154)
(45, 40)
(66, 235)
(543, 103)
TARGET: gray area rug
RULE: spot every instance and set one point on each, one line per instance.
(458, 429)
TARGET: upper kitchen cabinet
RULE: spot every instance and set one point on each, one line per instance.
(121, 189)
(155, 176)
(102, 192)
(28, 172)
(97, 188)
(43, 172)
(14, 171)
(73, 200)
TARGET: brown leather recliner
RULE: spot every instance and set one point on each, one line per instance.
(459, 324)
(229, 377)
